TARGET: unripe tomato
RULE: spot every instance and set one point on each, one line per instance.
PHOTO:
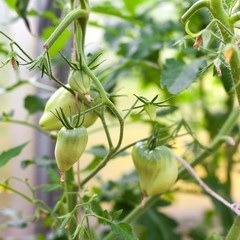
(62, 98)
(70, 145)
(157, 168)
(79, 81)
(151, 111)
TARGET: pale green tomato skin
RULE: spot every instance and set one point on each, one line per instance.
(157, 168)
(79, 81)
(70, 146)
(62, 98)
(151, 111)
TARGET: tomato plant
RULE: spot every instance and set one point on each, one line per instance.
(169, 91)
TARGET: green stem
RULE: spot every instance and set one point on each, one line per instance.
(70, 186)
(219, 13)
(194, 8)
(26, 124)
(235, 17)
(234, 232)
(226, 128)
(69, 18)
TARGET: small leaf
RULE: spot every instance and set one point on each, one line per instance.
(95, 162)
(6, 115)
(116, 215)
(96, 208)
(9, 154)
(124, 230)
(34, 104)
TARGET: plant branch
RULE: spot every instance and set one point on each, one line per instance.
(234, 207)
(69, 18)
(194, 8)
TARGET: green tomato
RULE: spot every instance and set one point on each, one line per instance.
(70, 146)
(79, 81)
(151, 111)
(157, 168)
(62, 98)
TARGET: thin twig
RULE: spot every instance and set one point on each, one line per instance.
(235, 207)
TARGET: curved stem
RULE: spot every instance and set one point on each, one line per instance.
(235, 17)
(70, 17)
(26, 124)
(194, 8)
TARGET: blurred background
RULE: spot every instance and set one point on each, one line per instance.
(137, 51)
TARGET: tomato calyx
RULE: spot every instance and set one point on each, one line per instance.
(150, 106)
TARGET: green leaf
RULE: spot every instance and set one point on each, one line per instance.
(9, 154)
(98, 151)
(21, 9)
(158, 225)
(95, 206)
(178, 75)
(132, 4)
(116, 215)
(227, 80)
(40, 162)
(109, 9)
(34, 104)
(124, 230)
(54, 177)
(11, 3)
(6, 115)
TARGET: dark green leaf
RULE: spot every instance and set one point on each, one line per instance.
(21, 8)
(158, 225)
(9, 154)
(227, 80)
(178, 75)
(34, 104)
(124, 230)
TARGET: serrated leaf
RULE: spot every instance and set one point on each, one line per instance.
(54, 177)
(18, 223)
(116, 215)
(124, 230)
(6, 156)
(177, 75)
(34, 104)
